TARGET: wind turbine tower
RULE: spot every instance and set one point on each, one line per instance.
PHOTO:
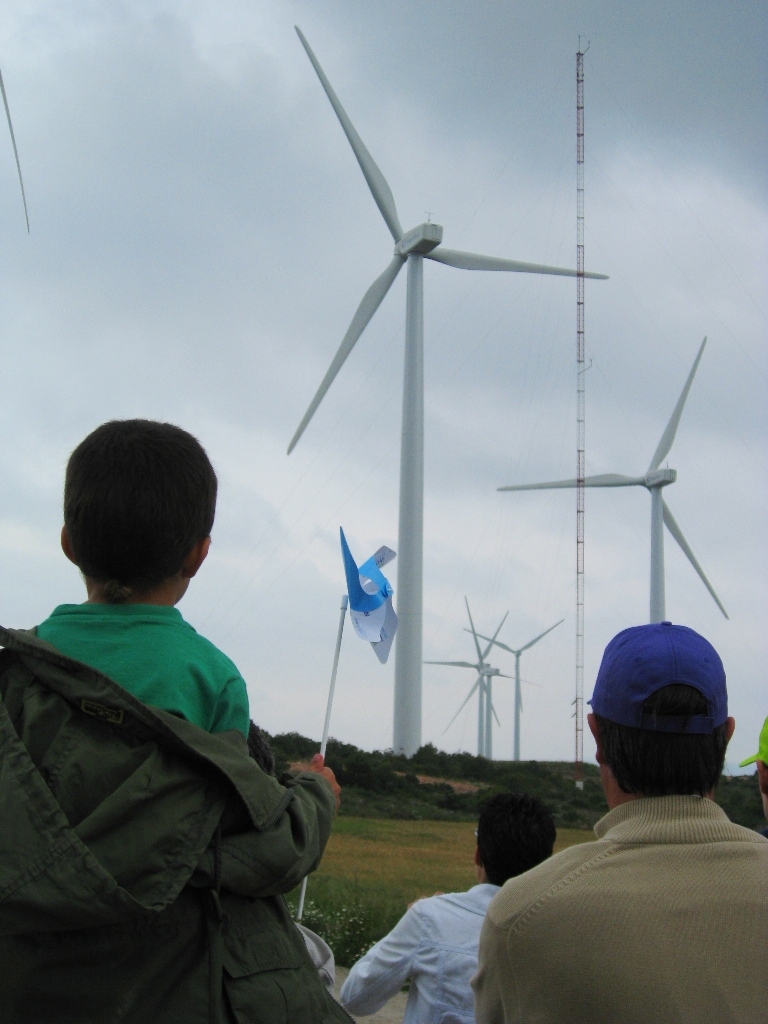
(411, 248)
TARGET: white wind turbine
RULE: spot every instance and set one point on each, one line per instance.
(661, 516)
(483, 684)
(518, 693)
(410, 247)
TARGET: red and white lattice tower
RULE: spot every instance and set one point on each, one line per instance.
(580, 406)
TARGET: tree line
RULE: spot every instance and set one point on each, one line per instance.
(382, 784)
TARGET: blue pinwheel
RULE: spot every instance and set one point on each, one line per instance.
(370, 599)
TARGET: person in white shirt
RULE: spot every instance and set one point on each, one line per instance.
(435, 942)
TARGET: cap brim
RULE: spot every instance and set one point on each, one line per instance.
(750, 760)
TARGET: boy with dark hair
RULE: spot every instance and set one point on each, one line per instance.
(139, 504)
(515, 832)
(435, 943)
(143, 854)
(660, 918)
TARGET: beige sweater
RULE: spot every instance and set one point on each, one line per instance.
(664, 919)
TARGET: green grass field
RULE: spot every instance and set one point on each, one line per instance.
(372, 868)
(410, 858)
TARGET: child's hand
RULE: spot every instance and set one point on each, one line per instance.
(318, 765)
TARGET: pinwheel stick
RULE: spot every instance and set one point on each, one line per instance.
(326, 725)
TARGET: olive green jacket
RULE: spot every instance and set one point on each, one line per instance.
(142, 860)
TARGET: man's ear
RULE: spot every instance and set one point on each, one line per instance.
(195, 558)
(66, 546)
(478, 859)
(594, 728)
(730, 726)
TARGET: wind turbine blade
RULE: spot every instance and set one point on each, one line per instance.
(474, 261)
(600, 480)
(15, 151)
(492, 641)
(477, 683)
(370, 303)
(532, 642)
(668, 437)
(677, 533)
(503, 675)
(495, 643)
(474, 634)
(493, 709)
(377, 183)
(457, 664)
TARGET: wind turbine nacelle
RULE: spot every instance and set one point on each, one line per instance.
(422, 240)
(660, 477)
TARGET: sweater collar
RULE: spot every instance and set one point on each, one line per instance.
(669, 819)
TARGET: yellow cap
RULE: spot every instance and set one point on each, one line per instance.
(762, 753)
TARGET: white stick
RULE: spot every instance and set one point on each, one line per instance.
(326, 726)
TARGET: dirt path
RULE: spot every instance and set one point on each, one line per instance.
(391, 1013)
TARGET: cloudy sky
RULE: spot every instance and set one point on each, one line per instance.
(201, 235)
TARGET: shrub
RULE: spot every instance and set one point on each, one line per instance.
(383, 784)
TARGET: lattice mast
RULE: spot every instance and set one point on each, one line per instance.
(578, 767)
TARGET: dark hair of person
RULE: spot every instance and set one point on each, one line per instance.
(514, 834)
(658, 763)
(260, 750)
(138, 495)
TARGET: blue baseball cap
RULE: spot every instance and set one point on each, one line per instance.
(641, 660)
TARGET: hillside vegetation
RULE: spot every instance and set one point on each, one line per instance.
(436, 786)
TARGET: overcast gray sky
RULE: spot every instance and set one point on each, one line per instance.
(202, 234)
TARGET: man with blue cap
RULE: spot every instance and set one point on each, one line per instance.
(662, 919)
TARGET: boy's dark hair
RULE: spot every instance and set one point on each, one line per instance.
(138, 495)
(660, 763)
(260, 750)
(514, 834)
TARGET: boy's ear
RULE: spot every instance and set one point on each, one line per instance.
(66, 547)
(196, 557)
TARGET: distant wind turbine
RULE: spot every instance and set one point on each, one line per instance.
(653, 480)
(15, 151)
(410, 247)
(483, 684)
(518, 694)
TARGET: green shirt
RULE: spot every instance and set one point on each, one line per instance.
(158, 657)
